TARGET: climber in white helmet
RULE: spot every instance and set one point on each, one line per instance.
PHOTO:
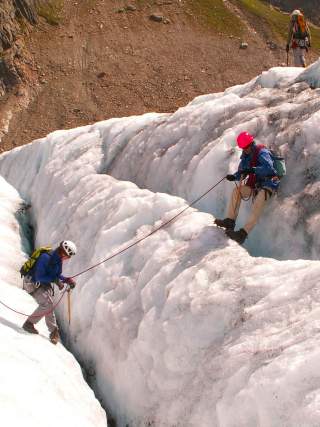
(40, 279)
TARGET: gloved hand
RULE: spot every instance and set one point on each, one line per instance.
(230, 177)
(248, 171)
(287, 48)
(59, 283)
(69, 281)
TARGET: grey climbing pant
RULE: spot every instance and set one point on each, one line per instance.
(44, 297)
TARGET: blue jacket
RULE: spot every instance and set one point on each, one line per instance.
(264, 170)
(48, 268)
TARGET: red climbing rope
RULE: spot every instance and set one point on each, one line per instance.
(136, 242)
(164, 224)
(36, 315)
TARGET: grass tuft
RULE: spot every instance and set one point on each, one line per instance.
(50, 11)
(217, 16)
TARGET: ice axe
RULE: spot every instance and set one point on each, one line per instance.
(69, 305)
(70, 285)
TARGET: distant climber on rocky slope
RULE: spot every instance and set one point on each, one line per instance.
(299, 38)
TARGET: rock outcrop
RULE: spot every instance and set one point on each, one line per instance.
(13, 15)
(12, 12)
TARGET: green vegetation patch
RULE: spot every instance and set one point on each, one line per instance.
(22, 23)
(276, 20)
(217, 16)
(51, 11)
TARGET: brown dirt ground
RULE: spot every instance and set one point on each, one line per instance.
(99, 64)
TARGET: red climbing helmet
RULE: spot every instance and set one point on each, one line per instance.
(244, 140)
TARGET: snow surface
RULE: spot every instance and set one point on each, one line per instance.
(187, 328)
(40, 385)
(311, 75)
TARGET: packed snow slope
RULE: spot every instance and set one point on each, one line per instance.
(186, 328)
(40, 385)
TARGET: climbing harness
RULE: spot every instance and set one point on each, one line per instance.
(136, 242)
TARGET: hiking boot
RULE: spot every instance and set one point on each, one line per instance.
(29, 327)
(239, 236)
(54, 336)
(227, 223)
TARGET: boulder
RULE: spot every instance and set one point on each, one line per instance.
(244, 45)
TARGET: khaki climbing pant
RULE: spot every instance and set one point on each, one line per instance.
(299, 56)
(259, 202)
(44, 297)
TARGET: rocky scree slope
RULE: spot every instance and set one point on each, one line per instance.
(103, 60)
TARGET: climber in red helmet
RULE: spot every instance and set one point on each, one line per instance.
(258, 180)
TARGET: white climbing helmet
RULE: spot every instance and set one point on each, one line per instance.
(296, 12)
(68, 247)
